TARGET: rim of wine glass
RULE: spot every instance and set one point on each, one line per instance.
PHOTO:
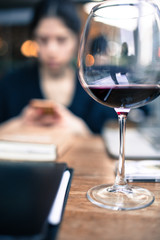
(111, 3)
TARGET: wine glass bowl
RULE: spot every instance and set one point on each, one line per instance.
(119, 64)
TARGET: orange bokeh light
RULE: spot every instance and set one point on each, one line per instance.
(29, 48)
(89, 60)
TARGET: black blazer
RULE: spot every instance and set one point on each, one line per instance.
(19, 87)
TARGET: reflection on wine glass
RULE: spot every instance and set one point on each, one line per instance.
(119, 63)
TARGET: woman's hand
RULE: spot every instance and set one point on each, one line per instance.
(48, 113)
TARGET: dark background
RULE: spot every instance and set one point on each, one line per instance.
(15, 17)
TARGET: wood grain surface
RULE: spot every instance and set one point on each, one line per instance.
(92, 166)
(84, 221)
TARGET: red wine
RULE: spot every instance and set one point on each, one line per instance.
(124, 96)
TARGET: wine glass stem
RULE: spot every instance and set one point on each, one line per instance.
(120, 177)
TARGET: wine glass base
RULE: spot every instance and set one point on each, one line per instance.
(120, 197)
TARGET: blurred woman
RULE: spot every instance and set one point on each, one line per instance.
(56, 28)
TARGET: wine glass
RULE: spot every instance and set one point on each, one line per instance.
(119, 63)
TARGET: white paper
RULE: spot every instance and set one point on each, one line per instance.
(10, 150)
(143, 170)
(57, 207)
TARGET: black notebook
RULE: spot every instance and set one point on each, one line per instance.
(28, 198)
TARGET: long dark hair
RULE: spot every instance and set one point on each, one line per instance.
(64, 9)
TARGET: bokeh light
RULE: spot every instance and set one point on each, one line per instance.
(29, 48)
(89, 60)
(3, 47)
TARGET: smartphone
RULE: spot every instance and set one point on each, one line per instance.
(46, 106)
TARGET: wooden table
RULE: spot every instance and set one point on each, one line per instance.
(92, 166)
(84, 221)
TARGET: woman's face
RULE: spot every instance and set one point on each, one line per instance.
(57, 44)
